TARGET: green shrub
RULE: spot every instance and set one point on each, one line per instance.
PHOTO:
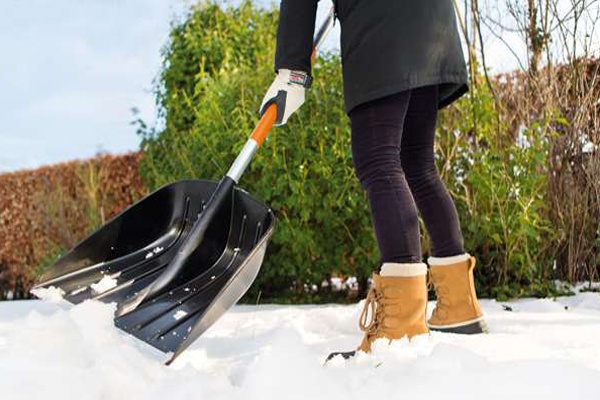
(498, 181)
(217, 65)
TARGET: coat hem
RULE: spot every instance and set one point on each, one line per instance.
(459, 79)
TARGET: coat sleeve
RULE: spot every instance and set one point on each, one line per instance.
(295, 34)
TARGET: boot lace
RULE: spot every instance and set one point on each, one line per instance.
(373, 308)
(441, 292)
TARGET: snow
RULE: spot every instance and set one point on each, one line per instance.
(153, 252)
(51, 294)
(542, 349)
(179, 314)
(106, 283)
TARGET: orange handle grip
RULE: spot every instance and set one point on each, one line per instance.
(264, 125)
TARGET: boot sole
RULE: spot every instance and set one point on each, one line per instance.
(470, 328)
(345, 354)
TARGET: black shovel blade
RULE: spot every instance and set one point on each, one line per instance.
(136, 246)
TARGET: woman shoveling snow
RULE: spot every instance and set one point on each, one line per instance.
(402, 61)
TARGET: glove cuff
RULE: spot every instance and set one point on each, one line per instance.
(295, 78)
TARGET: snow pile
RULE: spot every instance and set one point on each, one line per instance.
(51, 294)
(541, 349)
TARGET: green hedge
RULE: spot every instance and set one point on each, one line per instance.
(498, 181)
(217, 66)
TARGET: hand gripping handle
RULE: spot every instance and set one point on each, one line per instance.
(267, 120)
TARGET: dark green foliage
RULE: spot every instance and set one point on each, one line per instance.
(217, 67)
(499, 182)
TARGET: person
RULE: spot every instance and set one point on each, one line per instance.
(402, 61)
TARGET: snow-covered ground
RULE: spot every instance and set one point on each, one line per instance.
(542, 349)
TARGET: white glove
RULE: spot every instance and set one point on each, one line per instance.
(287, 92)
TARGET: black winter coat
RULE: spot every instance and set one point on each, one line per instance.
(387, 46)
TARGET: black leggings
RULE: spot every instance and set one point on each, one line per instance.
(392, 151)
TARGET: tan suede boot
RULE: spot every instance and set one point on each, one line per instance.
(457, 309)
(395, 307)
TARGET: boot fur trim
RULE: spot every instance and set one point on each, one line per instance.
(403, 270)
(438, 261)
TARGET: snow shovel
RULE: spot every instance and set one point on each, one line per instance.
(177, 260)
